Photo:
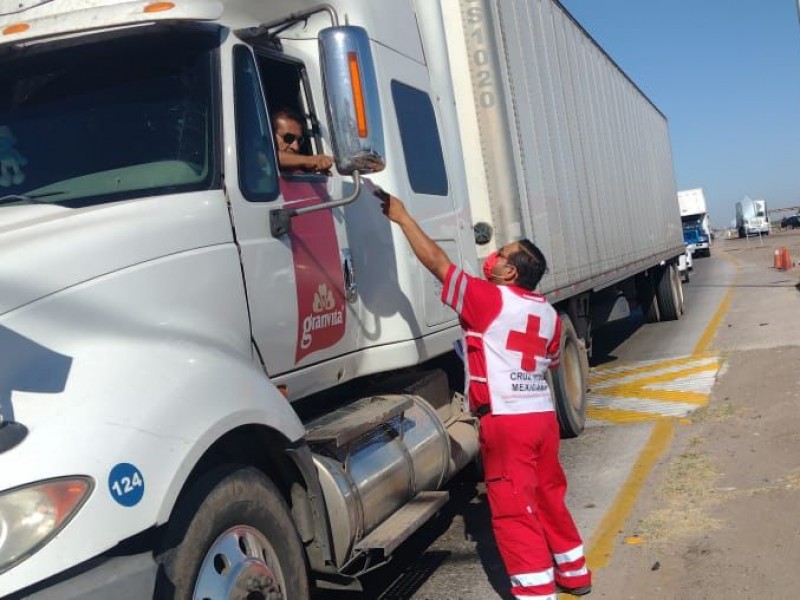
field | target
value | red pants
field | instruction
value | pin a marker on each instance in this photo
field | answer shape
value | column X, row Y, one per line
column 534, row 531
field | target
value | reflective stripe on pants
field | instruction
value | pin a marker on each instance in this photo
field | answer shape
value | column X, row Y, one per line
column 526, row 485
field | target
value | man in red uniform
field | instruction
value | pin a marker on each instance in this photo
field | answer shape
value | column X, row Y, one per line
column 512, row 338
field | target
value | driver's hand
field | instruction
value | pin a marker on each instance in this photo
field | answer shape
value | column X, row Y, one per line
column 320, row 162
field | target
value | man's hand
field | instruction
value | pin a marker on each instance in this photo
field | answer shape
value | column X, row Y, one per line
column 319, row 162
column 391, row 206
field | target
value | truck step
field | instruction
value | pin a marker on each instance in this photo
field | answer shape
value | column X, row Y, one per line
column 348, row 423
column 385, row 539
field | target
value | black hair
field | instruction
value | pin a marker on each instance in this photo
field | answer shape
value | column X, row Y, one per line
column 530, row 263
column 287, row 113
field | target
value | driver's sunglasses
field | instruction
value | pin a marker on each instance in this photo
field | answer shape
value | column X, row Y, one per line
column 290, row 138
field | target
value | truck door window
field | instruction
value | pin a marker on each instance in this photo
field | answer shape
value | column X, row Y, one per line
column 286, row 87
column 258, row 178
column 419, row 136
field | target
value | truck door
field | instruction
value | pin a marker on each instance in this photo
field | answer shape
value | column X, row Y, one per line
column 417, row 144
column 299, row 307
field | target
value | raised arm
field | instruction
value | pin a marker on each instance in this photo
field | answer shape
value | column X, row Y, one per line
column 427, row 251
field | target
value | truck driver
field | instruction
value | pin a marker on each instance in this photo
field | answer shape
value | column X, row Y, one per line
column 287, row 126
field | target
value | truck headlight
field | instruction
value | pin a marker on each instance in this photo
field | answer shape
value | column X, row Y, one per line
column 32, row 515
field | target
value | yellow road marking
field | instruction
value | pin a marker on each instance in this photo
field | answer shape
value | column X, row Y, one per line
column 642, row 387
column 619, row 416
column 659, row 373
column 606, row 373
column 704, row 343
column 601, row 546
column 639, row 393
column 653, row 390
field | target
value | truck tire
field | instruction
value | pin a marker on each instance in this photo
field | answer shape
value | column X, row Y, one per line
column 232, row 536
column 569, row 381
column 668, row 294
column 646, row 296
column 653, row 313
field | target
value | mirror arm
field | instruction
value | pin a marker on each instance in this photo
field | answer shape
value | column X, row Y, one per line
column 336, row 203
column 274, row 28
column 280, row 220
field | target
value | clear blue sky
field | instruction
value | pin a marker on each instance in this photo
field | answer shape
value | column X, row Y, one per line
column 726, row 73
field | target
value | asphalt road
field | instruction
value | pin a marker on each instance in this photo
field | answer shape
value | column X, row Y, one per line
column 638, row 370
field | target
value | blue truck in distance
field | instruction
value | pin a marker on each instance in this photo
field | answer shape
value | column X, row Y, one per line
column 695, row 221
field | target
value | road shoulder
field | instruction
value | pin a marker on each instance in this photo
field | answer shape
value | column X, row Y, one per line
column 720, row 521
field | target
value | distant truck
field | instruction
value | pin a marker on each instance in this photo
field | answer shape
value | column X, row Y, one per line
column 695, row 220
column 751, row 217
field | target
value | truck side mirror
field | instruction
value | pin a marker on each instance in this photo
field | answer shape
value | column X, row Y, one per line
column 351, row 99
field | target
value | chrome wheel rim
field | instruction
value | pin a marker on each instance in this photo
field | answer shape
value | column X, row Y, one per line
column 240, row 565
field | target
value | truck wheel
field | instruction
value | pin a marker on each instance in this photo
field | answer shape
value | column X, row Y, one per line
column 232, row 537
column 668, row 294
column 569, row 381
column 646, row 296
column 653, row 314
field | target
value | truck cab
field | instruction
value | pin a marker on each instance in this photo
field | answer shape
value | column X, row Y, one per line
column 695, row 221
column 182, row 316
column 696, row 236
column 751, row 217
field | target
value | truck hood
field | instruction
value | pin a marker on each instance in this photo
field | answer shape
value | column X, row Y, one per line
column 48, row 248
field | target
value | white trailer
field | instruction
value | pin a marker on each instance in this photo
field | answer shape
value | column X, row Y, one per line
column 565, row 149
column 751, row 217
column 223, row 380
column 692, row 202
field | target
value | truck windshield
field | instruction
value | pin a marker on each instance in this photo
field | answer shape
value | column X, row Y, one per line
column 693, row 221
column 109, row 119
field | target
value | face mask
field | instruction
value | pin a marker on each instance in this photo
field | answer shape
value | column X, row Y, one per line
column 489, row 264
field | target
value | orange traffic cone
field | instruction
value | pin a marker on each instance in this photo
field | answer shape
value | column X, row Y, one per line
column 776, row 261
column 783, row 260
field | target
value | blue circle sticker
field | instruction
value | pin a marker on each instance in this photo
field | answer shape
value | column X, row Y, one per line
column 126, row 484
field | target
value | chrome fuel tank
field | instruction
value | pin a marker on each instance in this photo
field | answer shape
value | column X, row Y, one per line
column 374, row 456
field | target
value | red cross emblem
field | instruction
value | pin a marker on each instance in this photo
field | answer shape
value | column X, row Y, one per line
column 528, row 343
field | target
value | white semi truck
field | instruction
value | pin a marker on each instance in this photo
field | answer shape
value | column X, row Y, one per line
column 219, row 380
column 695, row 220
column 751, row 217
